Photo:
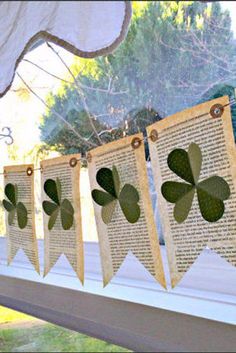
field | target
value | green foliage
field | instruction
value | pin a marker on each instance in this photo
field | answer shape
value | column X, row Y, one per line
column 128, row 197
column 15, row 208
column 174, row 52
column 211, row 192
column 33, row 337
column 53, row 189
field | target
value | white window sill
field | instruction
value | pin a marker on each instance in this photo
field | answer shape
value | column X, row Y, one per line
column 133, row 310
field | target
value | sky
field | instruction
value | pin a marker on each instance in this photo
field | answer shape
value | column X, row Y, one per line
column 231, row 6
column 23, row 116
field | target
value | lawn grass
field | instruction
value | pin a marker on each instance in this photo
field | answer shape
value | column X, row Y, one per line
column 8, row 316
column 50, row 338
column 46, row 337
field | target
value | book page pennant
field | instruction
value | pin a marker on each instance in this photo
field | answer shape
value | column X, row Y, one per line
column 123, row 209
column 20, row 212
column 62, row 212
column 193, row 157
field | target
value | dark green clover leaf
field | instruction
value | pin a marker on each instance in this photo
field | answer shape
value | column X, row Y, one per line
column 52, row 208
column 211, row 192
column 128, row 197
column 15, row 208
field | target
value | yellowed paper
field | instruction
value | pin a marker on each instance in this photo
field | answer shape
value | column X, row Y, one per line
column 24, row 239
column 119, row 236
column 185, row 241
column 59, row 241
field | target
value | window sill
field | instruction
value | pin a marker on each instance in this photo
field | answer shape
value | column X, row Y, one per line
column 133, row 310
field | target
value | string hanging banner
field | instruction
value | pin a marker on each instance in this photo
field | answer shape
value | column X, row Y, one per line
column 62, row 212
column 123, row 209
column 193, row 158
column 20, row 213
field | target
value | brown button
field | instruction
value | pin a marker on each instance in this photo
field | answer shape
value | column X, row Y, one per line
column 73, row 162
column 29, row 171
column 153, row 135
column 136, row 142
column 217, row 110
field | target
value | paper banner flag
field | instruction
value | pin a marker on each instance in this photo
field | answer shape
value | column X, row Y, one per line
column 193, row 158
column 20, row 213
column 125, row 222
column 62, row 212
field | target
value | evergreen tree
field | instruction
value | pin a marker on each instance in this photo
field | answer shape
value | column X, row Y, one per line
column 173, row 54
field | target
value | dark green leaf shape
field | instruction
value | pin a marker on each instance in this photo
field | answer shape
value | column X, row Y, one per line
column 15, row 208
column 49, row 207
column 108, row 210
column 21, row 212
column 127, row 197
column 53, row 218
column 51, row 188
column 211, row 192
column 216, row 187
column 106, row 179
column 8, row 206
column 52, row 208
column 173, row 190
column 183, row 206
column 178, row 162
column 102, row 198
column 67, row 214
column 11, row 193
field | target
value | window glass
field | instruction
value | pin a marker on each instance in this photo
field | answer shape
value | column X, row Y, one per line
column 176, row 55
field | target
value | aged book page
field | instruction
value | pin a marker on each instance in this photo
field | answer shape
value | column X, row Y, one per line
column 119, row 237
column 185, row 241
column 57, row 240
column 24, row 239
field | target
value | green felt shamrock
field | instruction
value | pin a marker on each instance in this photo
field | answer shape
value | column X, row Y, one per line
column 128, row 197
column 211, row 192
column 53, row 189
column 15, row 208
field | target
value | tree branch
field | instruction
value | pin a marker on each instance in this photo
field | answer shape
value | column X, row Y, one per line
column 81, row 85
column 47, row 72
column 89, row 144
column 81, row 95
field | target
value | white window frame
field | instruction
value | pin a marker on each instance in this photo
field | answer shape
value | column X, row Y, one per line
column 133, row 311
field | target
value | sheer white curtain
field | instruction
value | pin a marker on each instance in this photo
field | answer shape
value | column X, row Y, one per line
column 86, row 28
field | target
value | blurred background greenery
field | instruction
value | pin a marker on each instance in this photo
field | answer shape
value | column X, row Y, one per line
column 176, row 55
column 23, row 333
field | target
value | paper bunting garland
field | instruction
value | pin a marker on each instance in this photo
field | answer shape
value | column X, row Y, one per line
column 193, row 158
column 62, row 213
column 128, row 223
column 20, row 213
column 199, row 148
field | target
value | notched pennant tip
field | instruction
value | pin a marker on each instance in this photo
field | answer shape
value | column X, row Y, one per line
column 127, row 198
column 52, row 208
column 15, row 208
column 211, row 192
